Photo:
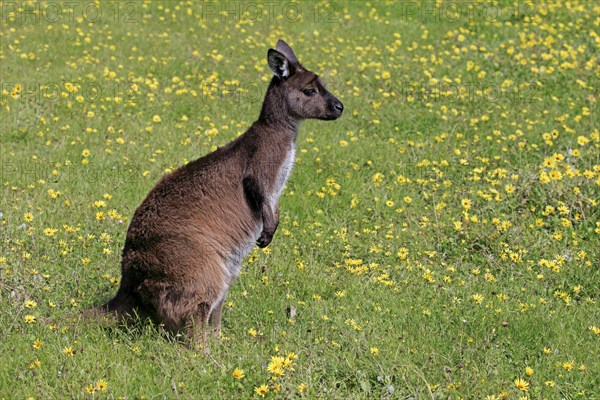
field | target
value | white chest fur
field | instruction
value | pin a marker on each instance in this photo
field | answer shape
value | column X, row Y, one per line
column 285, row 169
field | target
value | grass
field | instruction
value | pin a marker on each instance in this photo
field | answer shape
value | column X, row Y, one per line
column 433, row 245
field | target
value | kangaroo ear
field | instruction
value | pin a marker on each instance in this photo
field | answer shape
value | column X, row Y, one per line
column 279, row 64
column 287, row 51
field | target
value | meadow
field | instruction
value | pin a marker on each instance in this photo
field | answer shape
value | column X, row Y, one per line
column 439, row 241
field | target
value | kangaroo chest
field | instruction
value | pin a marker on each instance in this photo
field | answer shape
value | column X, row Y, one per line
column 282, row 175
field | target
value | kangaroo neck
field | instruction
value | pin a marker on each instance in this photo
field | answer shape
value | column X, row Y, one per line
column 275, row 112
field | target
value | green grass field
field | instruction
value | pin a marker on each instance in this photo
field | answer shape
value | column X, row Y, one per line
column 439, row 241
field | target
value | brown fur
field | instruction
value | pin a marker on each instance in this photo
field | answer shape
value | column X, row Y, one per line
column 187, row 239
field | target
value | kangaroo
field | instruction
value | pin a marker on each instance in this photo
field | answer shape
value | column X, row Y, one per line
column 186, row 241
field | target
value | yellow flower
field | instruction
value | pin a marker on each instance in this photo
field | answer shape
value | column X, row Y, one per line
column 68, row 351
column 252, row 332
column 466, row 203
column 276, row 370
column 528, row 371
column 30, row 319
column 377, row 178
column 428, row 276
column 238, row 373
column 374, row 351
column 49, row 232
column 402, row 253
column 101, row 385
column 477, row 298
column 261, row 390
column 555, row 175
column 30, row 304
column 521, row 384
column 568, row 365
column 156, row 119
column 276, row 366
column 582, row 140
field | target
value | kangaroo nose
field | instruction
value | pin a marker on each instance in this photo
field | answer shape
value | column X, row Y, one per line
column 339, row 106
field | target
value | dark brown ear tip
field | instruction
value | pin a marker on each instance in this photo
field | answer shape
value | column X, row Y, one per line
column 275, row 53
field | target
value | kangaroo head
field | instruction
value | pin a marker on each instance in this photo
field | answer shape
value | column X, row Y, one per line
column 303, row 91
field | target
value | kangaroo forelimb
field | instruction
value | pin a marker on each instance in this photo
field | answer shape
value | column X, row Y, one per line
column 262, row 209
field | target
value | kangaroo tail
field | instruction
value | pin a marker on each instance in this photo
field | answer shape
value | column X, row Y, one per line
column 123, row 306
column 91, row 314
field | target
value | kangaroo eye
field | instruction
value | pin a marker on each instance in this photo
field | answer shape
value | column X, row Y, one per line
column 310, row 92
